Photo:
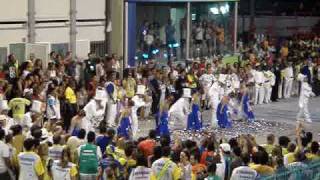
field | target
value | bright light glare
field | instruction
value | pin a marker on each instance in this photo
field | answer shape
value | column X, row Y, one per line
column 214, row 10
column 224, row 9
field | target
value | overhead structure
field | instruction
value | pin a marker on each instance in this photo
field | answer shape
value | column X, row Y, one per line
column 184, row 15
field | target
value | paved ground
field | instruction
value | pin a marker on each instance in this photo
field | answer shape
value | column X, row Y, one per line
column 280, row 117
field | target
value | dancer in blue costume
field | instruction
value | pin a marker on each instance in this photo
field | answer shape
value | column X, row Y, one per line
column 163, row 116
column 245, row 105
column 223, row 113
column 124, row 128
column 194, row 118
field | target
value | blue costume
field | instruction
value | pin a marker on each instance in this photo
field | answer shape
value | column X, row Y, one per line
column 222, row 116
column 162, row 126
column 124, row 128
column 194, row 118
column 246, row 108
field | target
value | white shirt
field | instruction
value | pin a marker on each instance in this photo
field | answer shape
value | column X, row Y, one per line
column 243, row 173
column 141, row 173
column 61, row 173
column 199, row 33
column 4, row 153
column 159, row 164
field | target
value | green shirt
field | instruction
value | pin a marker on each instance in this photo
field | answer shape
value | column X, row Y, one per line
column 18, row 107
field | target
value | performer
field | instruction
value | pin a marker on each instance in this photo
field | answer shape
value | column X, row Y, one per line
column 259, row 82
column 163, row 116
column 139, row 103
column 111, row 111
column 214, row 94
column 124, row 128
column 223, row 113
column 194, row 118
column 305, row 94
column 94, row 111
column 206, row 81
column 245, row 105
column 268, row 84
column 5, row 121
column 178, row 113
column 288, row 80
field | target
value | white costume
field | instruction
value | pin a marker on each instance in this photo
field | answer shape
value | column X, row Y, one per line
column 206, row 81
column 111, row 96
column 259, row 89
column 269, row 82
column 288, row 80
column 138, row 102
column 94, row 112
column 179, row 111
column 214, row 94
column 305, row 94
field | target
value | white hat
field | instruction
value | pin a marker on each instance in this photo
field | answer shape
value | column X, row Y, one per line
column 225, row 147
column 141, row 89
column 100, row 94
column 187, row 93
column 301, row 77
column 36, row 106
column 4, row 105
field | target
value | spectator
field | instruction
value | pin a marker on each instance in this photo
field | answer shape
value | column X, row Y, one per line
column 244, row 172
column 147, row 146
column 89, row 155
column 5, row 163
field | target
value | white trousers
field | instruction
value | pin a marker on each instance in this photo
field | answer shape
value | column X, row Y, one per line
column 111, row 114
column 304, row 111
column 280, row 89
column 267, row 96
column 259, row 95
column 288, row 88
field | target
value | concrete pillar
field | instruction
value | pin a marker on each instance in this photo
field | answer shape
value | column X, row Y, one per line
column 188, row 30
column 73, row 28
column 108, row 34
column 117, row 33
column 252, row 14
column 235, row 35
column 31, row 23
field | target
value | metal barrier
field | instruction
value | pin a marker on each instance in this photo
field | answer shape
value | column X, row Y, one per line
column 298, row 171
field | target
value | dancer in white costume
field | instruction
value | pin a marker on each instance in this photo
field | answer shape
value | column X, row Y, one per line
column 94, row 111
column 214, row 94
column 269, row 82
column 139, row 102
column 288, row 80
column 111, row 90
column 179, row 111
column 259, row 86
column 305, row 94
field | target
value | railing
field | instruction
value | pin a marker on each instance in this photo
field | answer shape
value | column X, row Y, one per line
column 298, row 171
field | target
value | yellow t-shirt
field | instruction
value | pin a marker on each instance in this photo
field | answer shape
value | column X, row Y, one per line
column 284, row 151
column 268, row 148
column 70, row 96
column 290, row 157
column 262, row 169
column 312, row 157
column 129, row 86
column 18, row 107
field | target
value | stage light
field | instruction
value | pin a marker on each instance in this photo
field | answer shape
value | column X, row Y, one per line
column 145, row 56
column 175, row 45
column 214, row 10
column 155, row 51
column 224, row 9
column 136, row 57
column 165, row 55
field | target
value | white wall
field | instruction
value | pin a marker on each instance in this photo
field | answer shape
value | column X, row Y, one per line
column 12, row 10
column 49, row 9
column 16, row 10
column 91, row 9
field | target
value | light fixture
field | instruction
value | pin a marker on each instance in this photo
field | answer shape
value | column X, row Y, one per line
column 214, row 10
column 224, row 9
